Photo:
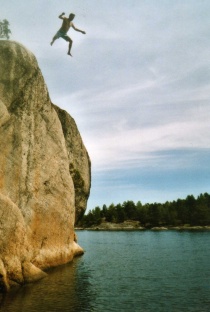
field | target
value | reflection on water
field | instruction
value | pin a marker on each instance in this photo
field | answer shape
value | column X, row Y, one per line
column 125, row 271
column 66, row 288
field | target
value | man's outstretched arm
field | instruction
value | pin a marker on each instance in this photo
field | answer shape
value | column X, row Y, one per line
column 77, row 29
column 61, row 16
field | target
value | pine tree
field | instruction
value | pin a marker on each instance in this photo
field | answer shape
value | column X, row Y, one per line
column 4, row 29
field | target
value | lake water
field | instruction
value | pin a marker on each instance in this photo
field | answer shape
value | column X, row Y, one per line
column 125, row 271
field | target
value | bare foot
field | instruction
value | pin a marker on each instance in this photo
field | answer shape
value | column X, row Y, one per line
column 69, row 54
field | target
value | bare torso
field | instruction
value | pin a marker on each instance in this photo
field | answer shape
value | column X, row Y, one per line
column 66, row 25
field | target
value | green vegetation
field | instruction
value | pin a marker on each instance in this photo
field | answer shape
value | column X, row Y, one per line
column 4, row 29
column 192, row 211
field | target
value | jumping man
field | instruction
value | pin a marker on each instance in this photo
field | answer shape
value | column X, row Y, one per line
column 62, row 33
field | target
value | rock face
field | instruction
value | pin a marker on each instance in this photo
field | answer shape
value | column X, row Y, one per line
column 79, row 162
column 44, row 172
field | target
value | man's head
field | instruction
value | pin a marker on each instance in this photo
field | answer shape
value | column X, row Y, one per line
column 71, row 16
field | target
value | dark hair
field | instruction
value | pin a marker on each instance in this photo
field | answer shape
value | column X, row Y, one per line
column 71, row 16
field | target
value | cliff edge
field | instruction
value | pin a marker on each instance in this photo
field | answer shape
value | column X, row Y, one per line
column 44, row 172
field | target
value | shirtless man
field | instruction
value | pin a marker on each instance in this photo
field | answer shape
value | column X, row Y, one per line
column 62, row 33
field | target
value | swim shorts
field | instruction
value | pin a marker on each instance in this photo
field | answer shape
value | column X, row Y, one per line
column 62, row 34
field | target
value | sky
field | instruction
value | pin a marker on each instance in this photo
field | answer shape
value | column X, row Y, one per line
column 138, row 87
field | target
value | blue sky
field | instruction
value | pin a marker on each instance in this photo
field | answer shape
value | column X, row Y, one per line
column 138, row 87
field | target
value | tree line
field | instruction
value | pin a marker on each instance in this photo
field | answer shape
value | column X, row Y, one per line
column 192, row 211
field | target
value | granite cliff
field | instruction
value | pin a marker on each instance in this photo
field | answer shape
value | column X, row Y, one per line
column 44, row 173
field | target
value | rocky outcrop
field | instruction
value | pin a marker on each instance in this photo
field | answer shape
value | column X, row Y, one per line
column 79, row 162
column 44, row 172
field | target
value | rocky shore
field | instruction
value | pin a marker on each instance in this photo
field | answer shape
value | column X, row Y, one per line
column 136, row 226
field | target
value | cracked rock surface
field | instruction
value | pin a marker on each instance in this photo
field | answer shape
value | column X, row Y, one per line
column 44, row 172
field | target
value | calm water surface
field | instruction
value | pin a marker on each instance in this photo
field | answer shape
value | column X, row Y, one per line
column 125, row 271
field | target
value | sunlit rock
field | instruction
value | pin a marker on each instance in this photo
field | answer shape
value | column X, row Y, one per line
column 44, row 172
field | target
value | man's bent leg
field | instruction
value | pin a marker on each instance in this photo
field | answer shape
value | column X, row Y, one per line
column 53, row 40
column 70, row 45
column 57, row 35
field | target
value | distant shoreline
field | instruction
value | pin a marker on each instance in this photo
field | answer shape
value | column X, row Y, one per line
column 134, row 226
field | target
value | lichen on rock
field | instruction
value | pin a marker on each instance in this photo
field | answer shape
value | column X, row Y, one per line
column 44, row 172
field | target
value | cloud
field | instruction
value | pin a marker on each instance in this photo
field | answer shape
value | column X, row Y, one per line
column 141, row 118
column 115, row 149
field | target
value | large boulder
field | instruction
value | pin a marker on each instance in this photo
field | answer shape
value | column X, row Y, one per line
column 44, row 172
